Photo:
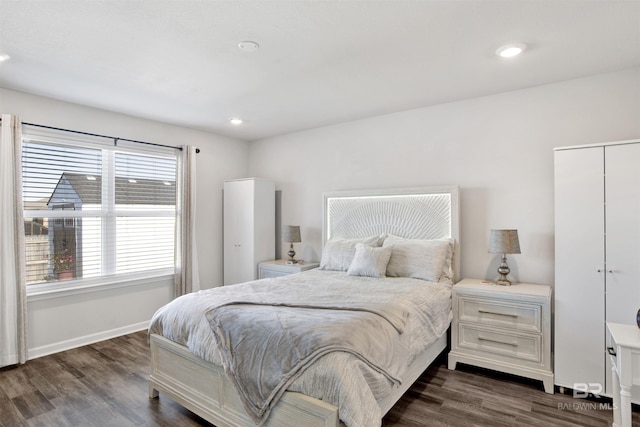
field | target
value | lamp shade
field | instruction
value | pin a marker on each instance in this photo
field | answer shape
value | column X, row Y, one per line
column 291, row 233
column 504, row 242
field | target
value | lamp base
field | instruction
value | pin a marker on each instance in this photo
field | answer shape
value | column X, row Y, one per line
column 291, row 254
column 503, row 271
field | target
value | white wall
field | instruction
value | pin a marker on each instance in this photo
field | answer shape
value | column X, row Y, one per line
column 71, row 320
column 498, row 149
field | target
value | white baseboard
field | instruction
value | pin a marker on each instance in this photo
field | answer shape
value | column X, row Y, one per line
column 85, row 340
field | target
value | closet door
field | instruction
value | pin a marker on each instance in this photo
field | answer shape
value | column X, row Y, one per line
column 579, row 262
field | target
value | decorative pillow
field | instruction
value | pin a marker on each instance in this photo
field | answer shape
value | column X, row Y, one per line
column 420, row 259
column 338, row 254
column 446, row 267
column 369, row 261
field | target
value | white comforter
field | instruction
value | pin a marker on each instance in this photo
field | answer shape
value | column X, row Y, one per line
column 338, row 378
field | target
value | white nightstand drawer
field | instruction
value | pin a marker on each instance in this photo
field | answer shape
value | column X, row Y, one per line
column 510, row 315
column 518, row 346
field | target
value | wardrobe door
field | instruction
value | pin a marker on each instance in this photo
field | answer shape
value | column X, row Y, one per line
column 579, row 261
column 622, row 171
column 230, row 232
column 622, row 168
column 238, row 231
column 264, row 225
column 245, row 212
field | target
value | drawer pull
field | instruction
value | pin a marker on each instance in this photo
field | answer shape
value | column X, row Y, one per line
column 514, row 344
column 611, row 351
column 497, row 314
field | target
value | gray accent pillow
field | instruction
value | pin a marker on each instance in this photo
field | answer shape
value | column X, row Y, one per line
column 369, row 261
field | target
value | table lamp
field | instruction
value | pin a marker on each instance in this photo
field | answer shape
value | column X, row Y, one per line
column 291, row 234
column 504, row 242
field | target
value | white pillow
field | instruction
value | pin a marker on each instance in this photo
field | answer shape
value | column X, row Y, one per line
column 338, row 254
column 369, row 261
column 420, row 259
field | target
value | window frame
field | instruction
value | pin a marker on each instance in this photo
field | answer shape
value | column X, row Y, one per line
column 108, row 278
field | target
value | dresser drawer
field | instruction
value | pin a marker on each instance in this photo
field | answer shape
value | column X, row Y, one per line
column 505, row 314
column 519, row 346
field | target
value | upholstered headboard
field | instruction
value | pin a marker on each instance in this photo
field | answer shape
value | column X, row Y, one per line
column 415, row 213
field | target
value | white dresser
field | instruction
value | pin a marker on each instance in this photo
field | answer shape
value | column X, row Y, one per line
column 504, row 328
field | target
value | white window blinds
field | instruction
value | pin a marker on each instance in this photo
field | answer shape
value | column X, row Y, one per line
column 96, row 210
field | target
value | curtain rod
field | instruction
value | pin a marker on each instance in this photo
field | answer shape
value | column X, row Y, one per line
column 115, row 139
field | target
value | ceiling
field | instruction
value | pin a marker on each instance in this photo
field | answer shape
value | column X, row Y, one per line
column 319, row 62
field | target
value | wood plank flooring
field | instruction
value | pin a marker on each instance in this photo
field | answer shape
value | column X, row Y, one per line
column 105, row 384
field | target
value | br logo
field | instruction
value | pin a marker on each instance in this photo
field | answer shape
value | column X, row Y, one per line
column 582, row 390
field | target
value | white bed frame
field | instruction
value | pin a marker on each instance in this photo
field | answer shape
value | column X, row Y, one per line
column 426, row 213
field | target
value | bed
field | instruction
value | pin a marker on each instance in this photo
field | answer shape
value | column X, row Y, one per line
column 188, row 371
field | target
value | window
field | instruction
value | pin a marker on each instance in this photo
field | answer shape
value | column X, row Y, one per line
column 95, row 210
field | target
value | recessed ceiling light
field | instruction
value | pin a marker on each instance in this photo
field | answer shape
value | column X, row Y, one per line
column 511, row 50
column 235, row 121
column 248, row 46
column 4, row 57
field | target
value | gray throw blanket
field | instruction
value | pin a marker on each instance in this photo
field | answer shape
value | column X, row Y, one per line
column 266, row 346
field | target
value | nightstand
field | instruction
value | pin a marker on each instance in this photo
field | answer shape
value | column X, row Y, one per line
column 504, row 328
column 279, row 267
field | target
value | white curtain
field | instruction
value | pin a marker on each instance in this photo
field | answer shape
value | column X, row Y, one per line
column 13, row 298
column 186, row 278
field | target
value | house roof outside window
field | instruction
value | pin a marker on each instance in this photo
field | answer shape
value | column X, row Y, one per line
column 75, row 190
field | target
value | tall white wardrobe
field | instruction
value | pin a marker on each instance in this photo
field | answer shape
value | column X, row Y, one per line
column 249, row 223
column 597, row 257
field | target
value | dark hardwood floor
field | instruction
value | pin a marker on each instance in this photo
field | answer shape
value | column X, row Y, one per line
column 105, row 384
